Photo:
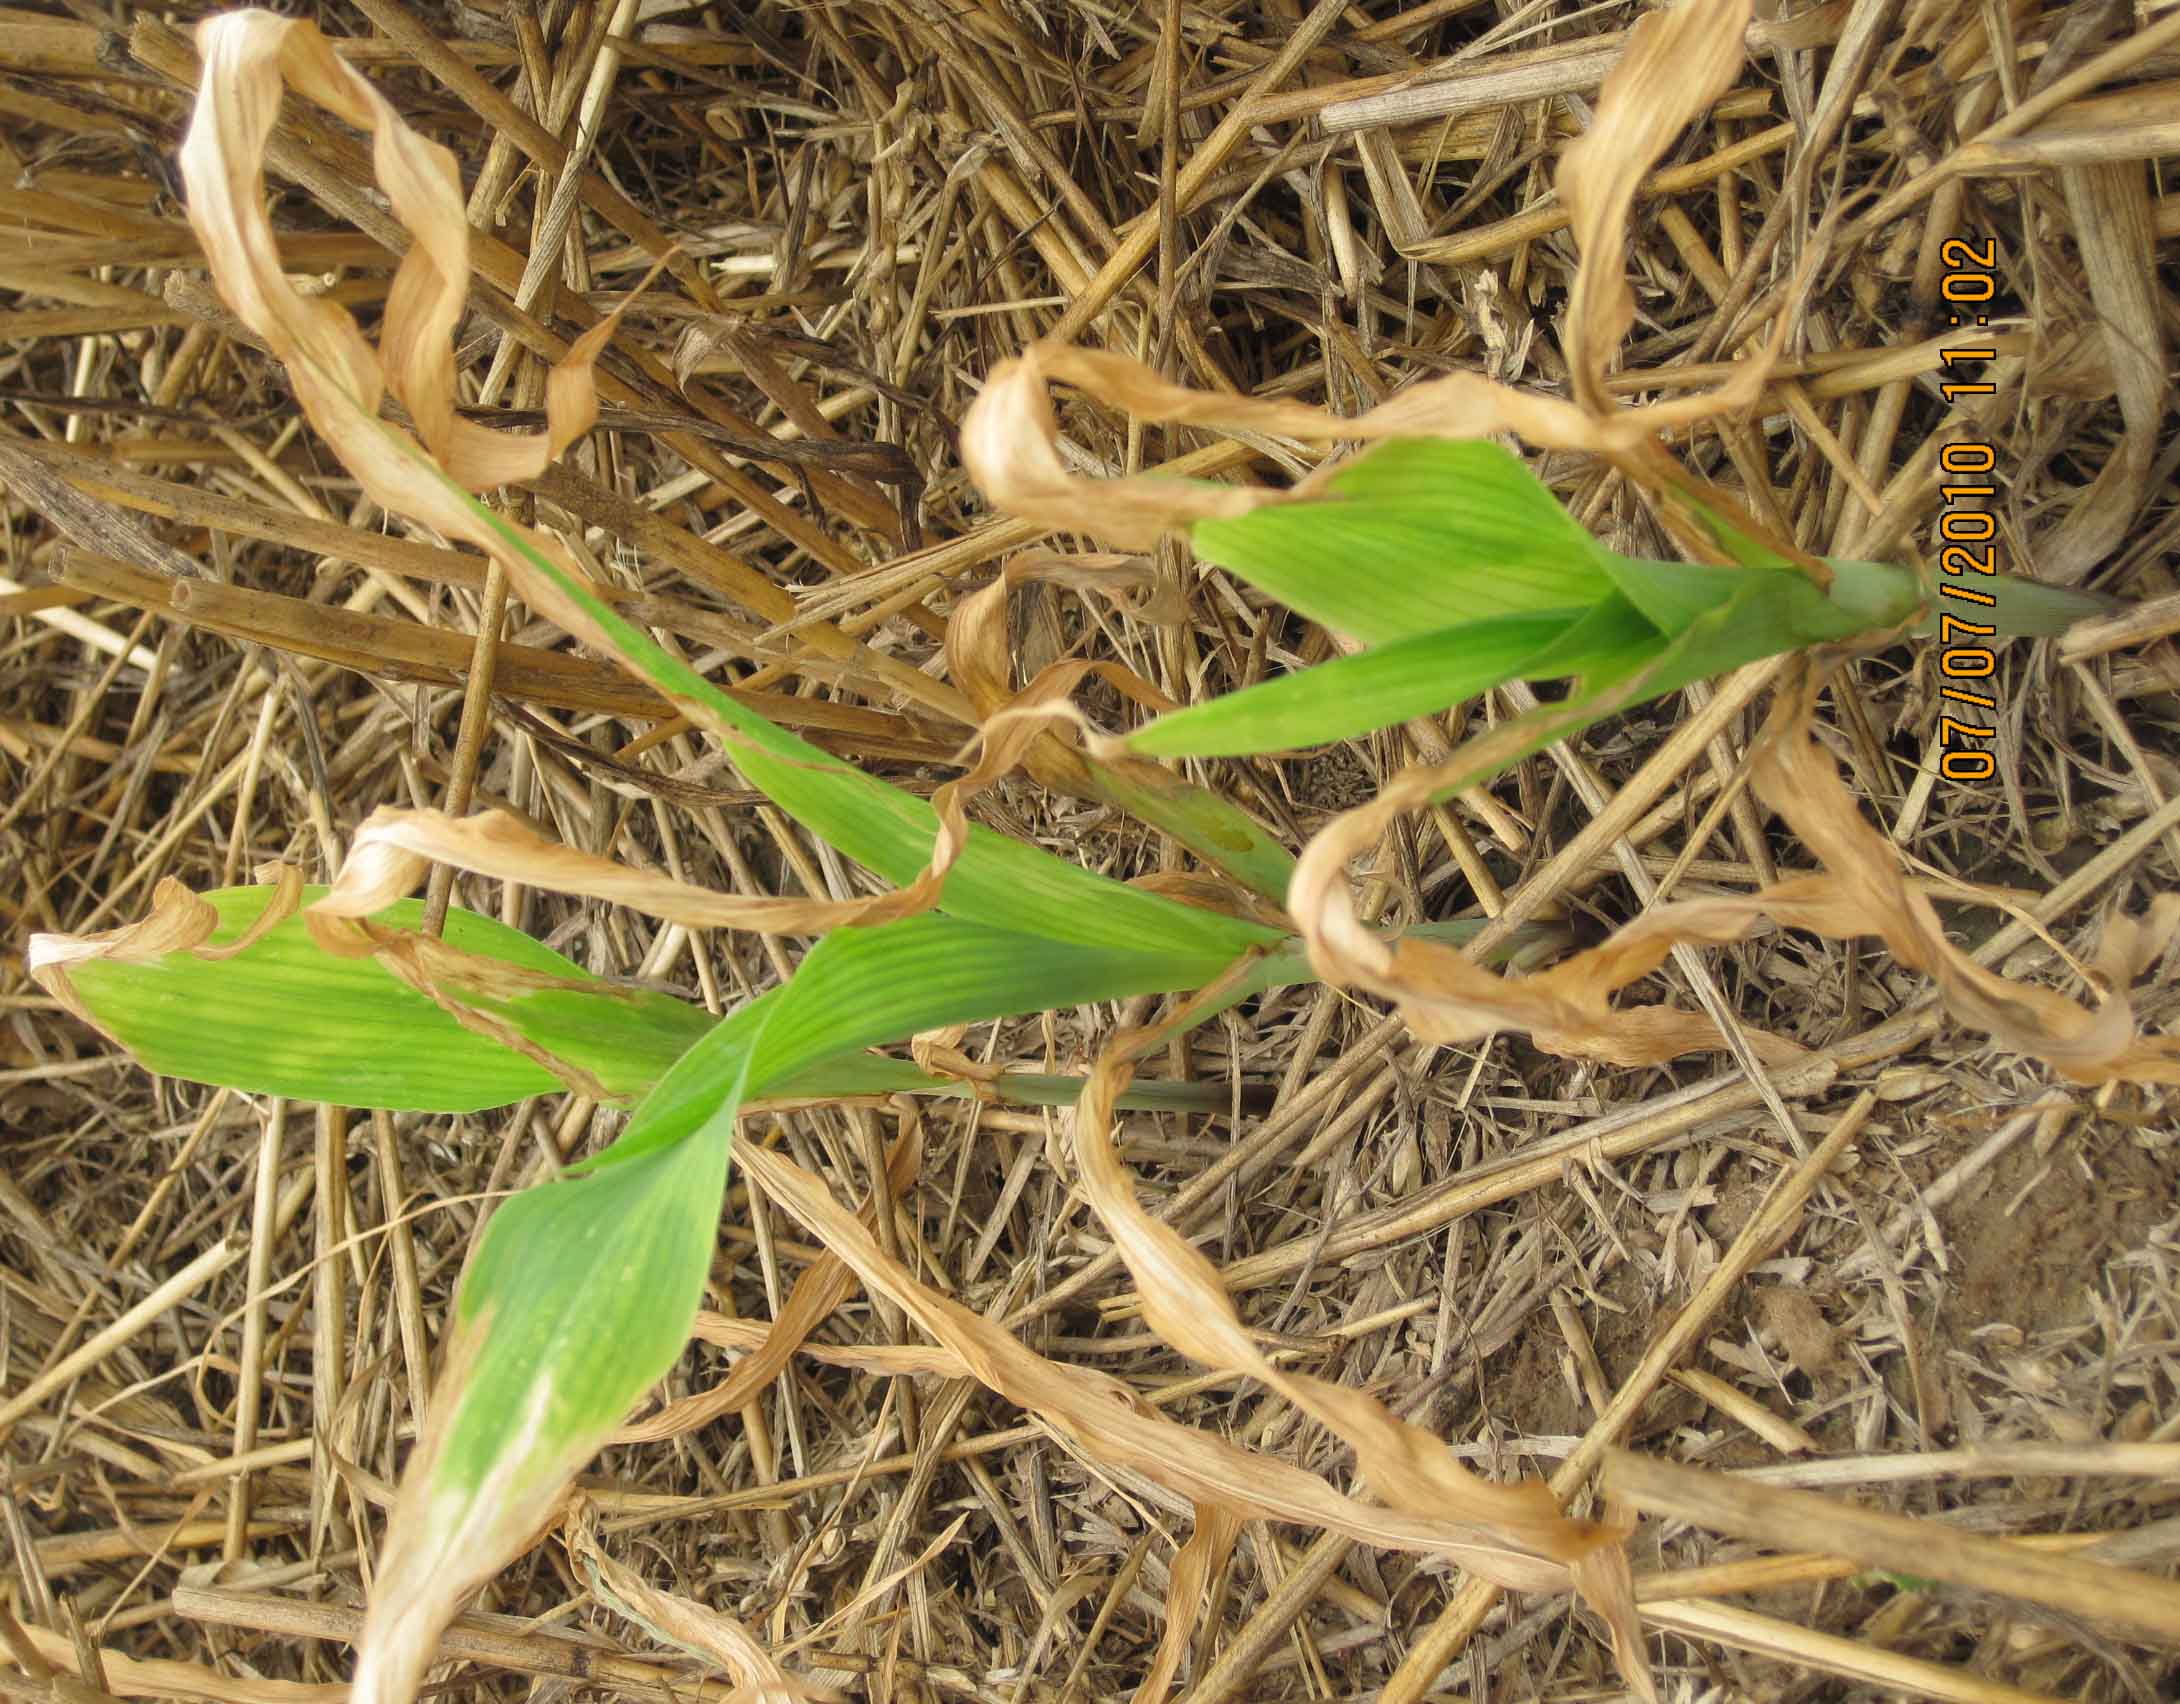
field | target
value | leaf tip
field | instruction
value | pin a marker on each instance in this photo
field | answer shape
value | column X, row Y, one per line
column 452, row 1531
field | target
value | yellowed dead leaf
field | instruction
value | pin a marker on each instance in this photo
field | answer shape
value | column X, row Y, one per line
column 1042, row 723
column 1195, row 1565
column 339, row 379
column 1607, row 1584
column 980, row 661
column 1108, row 1421
column 1009, row 438
column 1184, row 1302
column 980, row 648
column 695, row 1628
column 390, row 852
column 1446, row 997
column 938, row 1052
column 1866, row 894
column 1679, row 59
column 1406, row 1467
column 916, row 1360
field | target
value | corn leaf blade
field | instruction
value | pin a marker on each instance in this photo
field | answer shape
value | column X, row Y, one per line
column 1354, row 695
column 865, row 987
column 305, row 1024
column 286, row 1018
column 1758, row 621
column 583, row 1289
column 302, row 1023
column 1417, row 535
column 997, row 881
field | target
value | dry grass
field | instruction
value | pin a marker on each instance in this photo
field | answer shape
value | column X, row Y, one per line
column 1909, row 1274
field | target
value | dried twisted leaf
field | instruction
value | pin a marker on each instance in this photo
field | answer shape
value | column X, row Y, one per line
column 755, row 1335
column 1009, row 435
column 1186, row 1304
column 696, row 1628
column 1865, row 894
column 939, row 1052
column 979, row 652
column 339, row 378
column 1110, row 1422
column 1567, row 1009
column 1448, row 998
column 1195, row 1565
column 1679, row 59
column 393, row 848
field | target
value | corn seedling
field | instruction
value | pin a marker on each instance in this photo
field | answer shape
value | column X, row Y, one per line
column 1438, row 553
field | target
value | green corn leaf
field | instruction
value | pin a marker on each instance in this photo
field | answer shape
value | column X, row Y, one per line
column 1743, row 629
column 579, row 1297
column 1883, row 595
column 302, row 1023
column 1354, row 695
column 1876, row 595
column 286, row 1018
column 1673, row 595
column 1444, row 556
column 996, row 881
column 549, row 1362
column 305, row 1024
column 552, row 1362
column 583, row 1289
column 862, row 988
column 1766, row 611
column 1416, row 535
column 1373, row 689
column 1613, row 636
column 1669, row 595
column 1623, row 661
